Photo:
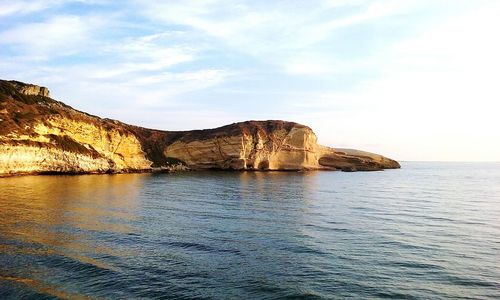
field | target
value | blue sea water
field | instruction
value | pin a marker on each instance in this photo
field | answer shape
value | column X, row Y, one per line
column 426, row 231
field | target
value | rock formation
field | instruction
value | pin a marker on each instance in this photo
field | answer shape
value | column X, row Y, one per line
column 41, row 135
column 30, row 89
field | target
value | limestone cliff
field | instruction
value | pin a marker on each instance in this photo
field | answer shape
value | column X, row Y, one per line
column 41, row 135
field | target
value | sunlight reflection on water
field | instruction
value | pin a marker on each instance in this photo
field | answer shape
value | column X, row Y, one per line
column 428, row 230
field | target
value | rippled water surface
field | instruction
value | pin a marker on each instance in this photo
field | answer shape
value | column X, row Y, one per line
column 429, row 230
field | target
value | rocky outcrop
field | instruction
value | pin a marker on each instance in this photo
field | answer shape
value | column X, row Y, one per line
column 41, row 135
column 253, row 145
column 267, row 145
column 30, row 89
column 351, row 160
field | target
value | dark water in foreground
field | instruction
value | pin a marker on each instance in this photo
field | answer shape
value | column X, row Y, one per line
column 429, row 230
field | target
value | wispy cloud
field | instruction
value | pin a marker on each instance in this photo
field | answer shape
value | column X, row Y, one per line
column 281, row 34
column 143, row 54
column 57, row 36
column 23, row 7
column 134, row 66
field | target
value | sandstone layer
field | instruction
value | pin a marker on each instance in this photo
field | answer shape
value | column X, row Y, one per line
column 41, row 135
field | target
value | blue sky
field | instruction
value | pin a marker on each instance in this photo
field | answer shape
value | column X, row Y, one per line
column 411, row 79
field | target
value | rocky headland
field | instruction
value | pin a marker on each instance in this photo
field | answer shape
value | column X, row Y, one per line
column 39, row 135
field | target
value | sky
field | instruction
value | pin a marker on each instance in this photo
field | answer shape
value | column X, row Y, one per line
column 409, row 79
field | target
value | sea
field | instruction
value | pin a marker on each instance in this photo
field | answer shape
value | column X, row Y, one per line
column 430, row 230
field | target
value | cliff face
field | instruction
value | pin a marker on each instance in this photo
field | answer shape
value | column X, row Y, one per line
column 41, row 135
column 270, row 145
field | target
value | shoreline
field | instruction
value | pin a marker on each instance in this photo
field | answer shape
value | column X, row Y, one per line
column 169, row 171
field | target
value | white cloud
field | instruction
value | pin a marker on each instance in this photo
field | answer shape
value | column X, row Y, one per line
column 23, row 7
column 182, row 82
column 282, row 34
column 133, row 70
column 59, row 35
column 135, row 93
column 148, row 57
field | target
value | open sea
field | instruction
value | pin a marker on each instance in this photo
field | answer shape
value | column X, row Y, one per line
column 426, row 231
